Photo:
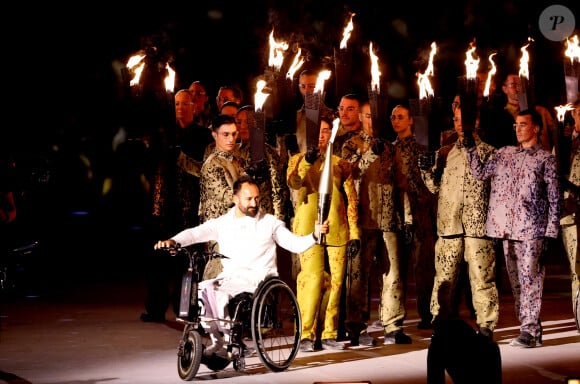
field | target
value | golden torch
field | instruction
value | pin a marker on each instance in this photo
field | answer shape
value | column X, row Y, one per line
column 325, row 185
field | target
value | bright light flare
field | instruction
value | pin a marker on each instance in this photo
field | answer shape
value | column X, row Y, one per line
column 524, row 61
column 492, row 72
column 425, row 88
column 170, row 79
column 322, row 77
column 561, row 111
column 347, row 31
column 572, row 50
column 471, row 62
column 375, row 73
column 277, row 49
column 260, row 97
column 296, row 64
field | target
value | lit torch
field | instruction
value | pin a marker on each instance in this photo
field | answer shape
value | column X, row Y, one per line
column 257, row 125
column 135, row 65
column 421, row 108
column 343, row 62
column 272, row 74
column 524, row 99
column 325, row 185
column 312, row 104
column 378, row 104
column 572, row 69
column 492, row 72
column 468, row 91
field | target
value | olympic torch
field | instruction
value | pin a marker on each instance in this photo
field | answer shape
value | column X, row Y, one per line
column 325, row 186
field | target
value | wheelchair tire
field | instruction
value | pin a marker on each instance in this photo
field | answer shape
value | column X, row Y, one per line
column 276, row 324
column 189, row 354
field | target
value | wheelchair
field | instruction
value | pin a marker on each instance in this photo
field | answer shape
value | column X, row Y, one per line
column 268, row 318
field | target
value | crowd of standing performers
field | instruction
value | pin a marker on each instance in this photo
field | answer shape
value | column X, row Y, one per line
column 402, row 215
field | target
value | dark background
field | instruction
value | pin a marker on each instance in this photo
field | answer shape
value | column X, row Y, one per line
column 64, row 97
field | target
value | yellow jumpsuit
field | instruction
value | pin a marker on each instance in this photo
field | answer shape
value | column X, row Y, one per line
column 314, row 297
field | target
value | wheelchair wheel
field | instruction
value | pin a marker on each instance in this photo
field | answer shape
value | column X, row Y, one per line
column 276, row 324
column 189, row 354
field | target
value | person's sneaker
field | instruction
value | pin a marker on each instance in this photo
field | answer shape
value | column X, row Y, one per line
column 306, row 345
column 367, row 340
column 486, row 333
column 396, row 337
column 331, row 344
column 151, row 318
column 524, row 340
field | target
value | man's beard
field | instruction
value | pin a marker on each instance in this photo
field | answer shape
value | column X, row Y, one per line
column 251, row 211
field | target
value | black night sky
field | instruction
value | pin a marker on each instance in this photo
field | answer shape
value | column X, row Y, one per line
column 62, row 61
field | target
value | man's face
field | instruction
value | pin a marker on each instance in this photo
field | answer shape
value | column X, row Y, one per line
column 247, row 200
column 526, row 132
column 401, row 122
column 225, row 137
column 511, row 87
column 324, row 135
column 307, row 83
column 348, row 111
column 242, row 124
column 225, row 95
column 366, row 119
column 199, row 96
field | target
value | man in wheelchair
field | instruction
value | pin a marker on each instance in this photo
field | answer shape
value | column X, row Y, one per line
column 248, row 238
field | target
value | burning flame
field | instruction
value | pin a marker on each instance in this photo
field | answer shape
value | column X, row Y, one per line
column 492, row 72
column 170, row 79
column 524, row 71
column 260, row 97
column 335, row 124
column 471, row 63
column 561, row 111
column 425, row 88
column 276, row 52
column 573, row 51
column 296, row 64
column 346, row 33
column 322, row 77
column 375, row 73
column 132, row 65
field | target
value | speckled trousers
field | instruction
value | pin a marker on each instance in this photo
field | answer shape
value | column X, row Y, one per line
column 526, row 274
column 480, row 257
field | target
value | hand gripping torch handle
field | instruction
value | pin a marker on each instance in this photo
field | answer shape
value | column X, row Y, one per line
column 323, row 210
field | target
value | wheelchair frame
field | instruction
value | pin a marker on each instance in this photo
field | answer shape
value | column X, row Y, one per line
column 269, row 317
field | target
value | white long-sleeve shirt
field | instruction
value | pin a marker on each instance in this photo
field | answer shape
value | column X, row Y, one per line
column 248, row 242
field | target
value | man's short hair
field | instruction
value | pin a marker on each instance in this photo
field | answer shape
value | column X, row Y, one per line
column 220, row 120
column 244, row 179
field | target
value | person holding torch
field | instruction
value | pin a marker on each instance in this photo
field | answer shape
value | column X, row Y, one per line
column 318, row 290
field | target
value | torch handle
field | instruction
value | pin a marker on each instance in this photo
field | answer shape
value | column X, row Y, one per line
column 324, row 200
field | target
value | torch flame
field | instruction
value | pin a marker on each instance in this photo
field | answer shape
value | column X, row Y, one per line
column 322, row 77
column 561, row 111
column 296, row 64
column 260, row 97
column 276, row 52
column 375, row 73
column 492, row 72
column 425, row 88
column 335, row 124
column 132, row 65
column 471, row 63
column 524, row 71
column 347, row 31
column 573, row 51
column 170, row 79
